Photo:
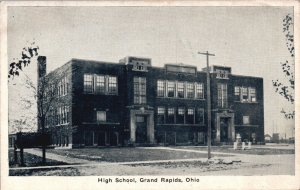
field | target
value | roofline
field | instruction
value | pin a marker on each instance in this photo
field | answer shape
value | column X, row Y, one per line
column 55, row 70
column 94, row 61
column 157, row 67
column 246, row 76
column 131, row 56
column 220, row 66
column 180, row 65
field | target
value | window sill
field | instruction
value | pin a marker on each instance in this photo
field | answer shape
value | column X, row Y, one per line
column 100, row 123
column 140, row 70
column 248, row 125
column 62, row 96
column 103, row 94
column 182, row 98
column 222, row 78
column 64, row 124
column 178, row 124
column 246, row 102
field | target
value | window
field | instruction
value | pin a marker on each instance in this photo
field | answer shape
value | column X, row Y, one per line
column 244, row 94
column 200, row 116
column 100, row 84
column 61, row 115
column 199, row 90
column 190, row 90
column 171, row 115
column 61, row 83
column 180, row 90
column 180, row 115
column 160, row 115
column 190, row 111
column 101, row 116
column 246, row 120
column 62, row 87
column 190, row 116
column 237, row 93
column 57, row 116
column 161, row 111
column 222, row 95
column 67, row 114
column 139, row 88
column 112, row 85
column 88, row 83
column 171, row 89
column 171, row 111
column 58, row 89
column 252, row 93
column 65, row 85
column 181, row 111
column 160, row 88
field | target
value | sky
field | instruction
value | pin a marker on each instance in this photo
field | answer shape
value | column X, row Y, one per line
column 248, row 39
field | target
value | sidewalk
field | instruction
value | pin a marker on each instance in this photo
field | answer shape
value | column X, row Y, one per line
column 282, row 159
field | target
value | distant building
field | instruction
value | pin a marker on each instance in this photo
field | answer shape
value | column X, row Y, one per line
column 268, row 138
column 133, row 102
column 275, row 138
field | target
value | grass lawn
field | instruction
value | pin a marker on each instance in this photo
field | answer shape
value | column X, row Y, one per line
column 33, row 160
column 255, row 151
column 30, row 160
column 126, row 154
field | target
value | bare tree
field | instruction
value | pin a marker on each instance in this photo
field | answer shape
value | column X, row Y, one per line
column 45, row 92
column 287, row 88
column 17, row 65
column 21, row 124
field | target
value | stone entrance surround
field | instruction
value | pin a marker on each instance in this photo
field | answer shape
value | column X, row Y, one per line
column 231, row 129
column 150, row 124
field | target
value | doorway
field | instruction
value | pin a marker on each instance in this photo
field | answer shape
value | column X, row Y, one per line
column 101, row 138
column 141, row 129
column 224, row 124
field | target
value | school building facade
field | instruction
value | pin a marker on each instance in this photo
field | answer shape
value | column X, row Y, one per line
column 134, row 103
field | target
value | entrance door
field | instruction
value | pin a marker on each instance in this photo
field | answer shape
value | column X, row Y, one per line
column 114, row 139
column 224, row 123
column 141, row 129
column 101, row 138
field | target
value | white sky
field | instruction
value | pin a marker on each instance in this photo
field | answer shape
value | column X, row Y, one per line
column 248, row 39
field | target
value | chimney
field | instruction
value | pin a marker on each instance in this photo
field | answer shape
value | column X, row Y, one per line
column 41, row 66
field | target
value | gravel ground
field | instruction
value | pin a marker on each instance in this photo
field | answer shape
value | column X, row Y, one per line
column 180, row 168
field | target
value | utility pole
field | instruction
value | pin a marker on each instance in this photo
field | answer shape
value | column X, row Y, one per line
column 208, row 103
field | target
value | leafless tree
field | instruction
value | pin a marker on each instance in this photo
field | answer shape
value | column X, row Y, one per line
column 44, row 91
column 287, row 88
